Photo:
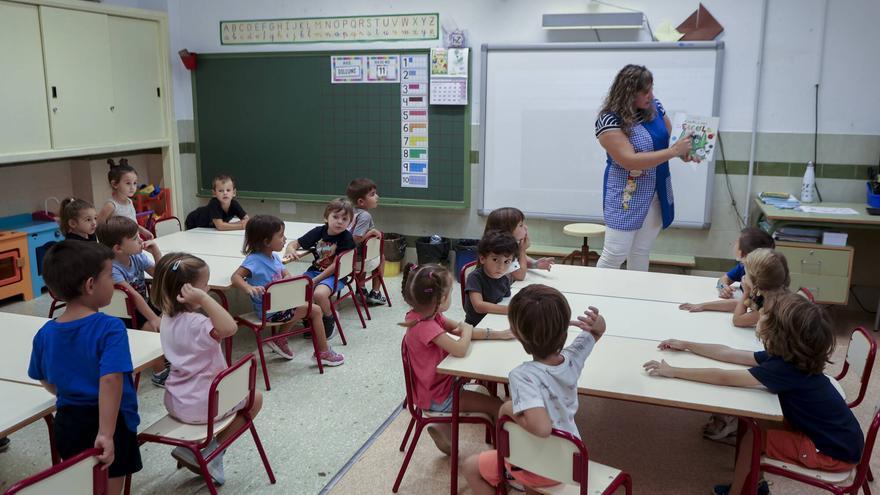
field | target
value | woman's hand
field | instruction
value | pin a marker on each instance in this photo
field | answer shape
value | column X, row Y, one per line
column 659, row 369
column 683, row 146
column 691, row 307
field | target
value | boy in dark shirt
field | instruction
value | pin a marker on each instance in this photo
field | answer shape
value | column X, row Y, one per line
column 220, row 209
column 490, row 282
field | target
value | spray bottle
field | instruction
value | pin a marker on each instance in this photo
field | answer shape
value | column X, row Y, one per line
column 809, row 183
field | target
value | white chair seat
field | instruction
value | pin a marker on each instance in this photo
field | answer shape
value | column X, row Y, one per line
column 435, row 414
column 600, row 477
column 836, row 478
column 171, row 428
column 256, row 320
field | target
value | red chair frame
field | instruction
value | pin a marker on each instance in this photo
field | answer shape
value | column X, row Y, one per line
column 462, row 280
column 362, row 278
column 807, row 293
column 420, row 421
column 869, row 365
column 166, row 219
column 196, row 447
column 346, row 282
column 580, row 460
column 129, row 305
column 99, row 474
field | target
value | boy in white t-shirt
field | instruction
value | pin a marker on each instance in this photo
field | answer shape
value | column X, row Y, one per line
column 544, row 390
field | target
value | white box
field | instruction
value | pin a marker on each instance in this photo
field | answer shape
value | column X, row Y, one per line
column 834, row 238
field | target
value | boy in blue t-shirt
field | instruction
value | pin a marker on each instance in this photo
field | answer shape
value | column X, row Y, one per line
column 83, row 358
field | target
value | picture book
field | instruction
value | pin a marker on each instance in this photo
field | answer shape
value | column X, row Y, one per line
column 703, row 130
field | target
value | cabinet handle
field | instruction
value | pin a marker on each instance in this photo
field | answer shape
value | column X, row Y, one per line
column 158, row 93
column 54, row 92
column 54, row 109
column 817, row 263
column 112, row 107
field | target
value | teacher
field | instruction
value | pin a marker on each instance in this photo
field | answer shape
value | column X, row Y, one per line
column 637, row 196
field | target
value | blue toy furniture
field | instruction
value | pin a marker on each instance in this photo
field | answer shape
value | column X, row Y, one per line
column 41, row 235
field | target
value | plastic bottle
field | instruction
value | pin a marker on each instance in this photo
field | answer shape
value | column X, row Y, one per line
column 809, row 183
column 436, row 239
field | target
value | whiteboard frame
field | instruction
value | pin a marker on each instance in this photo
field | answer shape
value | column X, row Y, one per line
column 717, row 46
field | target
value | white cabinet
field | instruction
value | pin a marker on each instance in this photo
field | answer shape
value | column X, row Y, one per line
column 136, row 78
column 24, row 125
column 79, row 82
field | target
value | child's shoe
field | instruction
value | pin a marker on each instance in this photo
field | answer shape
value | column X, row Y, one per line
column 763, row 489
column 215, row 467
column 159, row 378
column 281, row 348
column 720, row 427
column 4, row 444
column 375, row 298
column 331, row 357
column 329, row 326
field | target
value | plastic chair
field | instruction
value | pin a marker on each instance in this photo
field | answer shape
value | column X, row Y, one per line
column 806, row 293
column 372, row 251
column 79, row 475
column 462, row 278
column 232, row 386
column 120, row 305
column 833, row 482
column 420, row 418
column 345, row 274
column 860, row 357
column 167, row 226
column 279, row 296
column 561, row 456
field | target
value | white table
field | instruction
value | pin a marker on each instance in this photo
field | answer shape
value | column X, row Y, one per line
column 292, row 230
column 22, row 405
column 625, row 283
column 215, row 244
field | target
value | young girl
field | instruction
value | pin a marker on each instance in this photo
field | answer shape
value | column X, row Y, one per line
column 512, row 220
column 820, row 431
column 191, row 343
column 78, row 220
column 123, row 180
column 264, row 236
column 427, row 290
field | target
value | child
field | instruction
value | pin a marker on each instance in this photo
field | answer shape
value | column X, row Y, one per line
column 82, row 357
column 512, row 220
column 750, row 238
column 362, row 194
column 820, row 431
column 220, row 209
column 129, row 265
column 490, row 282
column 544, row 390
column 191, row 342
column 123, row 180
column 427, row 290
column 325, row 242
column 263, row 235
column 78, row 220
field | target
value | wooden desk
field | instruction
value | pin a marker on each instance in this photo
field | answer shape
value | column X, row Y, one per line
column 18, row 336
column 778, row 217
column 625, row 283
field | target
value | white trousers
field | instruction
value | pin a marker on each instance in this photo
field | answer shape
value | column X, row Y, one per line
column 633, row 246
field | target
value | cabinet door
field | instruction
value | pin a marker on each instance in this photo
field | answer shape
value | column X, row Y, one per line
column 134, row 52
column 76, row 47
column 24, row 125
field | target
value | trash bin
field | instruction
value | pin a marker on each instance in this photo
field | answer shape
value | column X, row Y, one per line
column 429, row 252
column 465, row 252
column 395, row 246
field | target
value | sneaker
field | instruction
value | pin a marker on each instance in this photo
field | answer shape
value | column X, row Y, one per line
column 159, row 378
column 188, row 460
column 329, row 326
column 724, row 427
column 4, row 444
column 441, row 439
column 763, row 489
column 331, row 358
column 375, row 298
column 281, row 348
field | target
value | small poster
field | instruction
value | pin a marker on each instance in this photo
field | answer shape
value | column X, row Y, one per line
column 414, row 121
column 703, row 130
column 449, row 76
column 383, row 68
column 346, row 69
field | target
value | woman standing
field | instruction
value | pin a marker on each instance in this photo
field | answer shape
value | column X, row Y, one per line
column 637, row 199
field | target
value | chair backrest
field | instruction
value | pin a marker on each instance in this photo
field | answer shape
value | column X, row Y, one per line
column 408, row 378
column 863, row 467
column 372, row 250
column 462, row 278
column 803, row 291
column 288, row 294
column 167, row 226
column 231, row 386
column 860, row 358
column 120, row 305
column 79, row 475
column 561, row 456
column 344, row 264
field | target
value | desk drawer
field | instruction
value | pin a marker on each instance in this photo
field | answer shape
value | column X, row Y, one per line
column 826, row 289
column 814, row 259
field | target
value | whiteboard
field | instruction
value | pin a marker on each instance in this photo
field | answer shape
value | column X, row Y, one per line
column 539, row 105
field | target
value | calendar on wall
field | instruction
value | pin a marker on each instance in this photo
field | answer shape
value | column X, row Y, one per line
column 449, row 76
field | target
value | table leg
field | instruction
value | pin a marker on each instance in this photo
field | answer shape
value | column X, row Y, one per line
column 50, row 425
column 453, row 458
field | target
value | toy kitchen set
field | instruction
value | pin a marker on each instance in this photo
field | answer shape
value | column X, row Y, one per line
column 24, row 240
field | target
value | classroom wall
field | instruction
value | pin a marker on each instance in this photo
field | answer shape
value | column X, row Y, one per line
column 25, row 192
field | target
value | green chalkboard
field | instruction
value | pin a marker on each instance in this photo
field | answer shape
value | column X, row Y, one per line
column 276, row 123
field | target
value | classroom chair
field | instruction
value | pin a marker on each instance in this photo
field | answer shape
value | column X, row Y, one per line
column 82, row 474
column 371, row 253
column 420, row 418
column 167, row 226
column 462, row 278
column 220, row 297
column 857, row 477
column 860, row 357
column 120, row 305
column 232, row 386
column 561, row 456
column 345, row 275
column 279, row 296
column 803, row 291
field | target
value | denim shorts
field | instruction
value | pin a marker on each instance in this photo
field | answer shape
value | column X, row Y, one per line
column 445, row 407
column 329, row 281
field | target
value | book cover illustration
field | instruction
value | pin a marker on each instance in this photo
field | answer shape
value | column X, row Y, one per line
column 703, row 130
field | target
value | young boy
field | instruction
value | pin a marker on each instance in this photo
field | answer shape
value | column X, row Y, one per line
column 544, row 390
column 750, row 239
column 129, row 265
column 83, row 358
column 362, row 194
column 325, row 242
column 220, row 209
column 490, row 282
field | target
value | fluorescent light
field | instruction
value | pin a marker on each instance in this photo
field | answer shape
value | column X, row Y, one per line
column 593, row 20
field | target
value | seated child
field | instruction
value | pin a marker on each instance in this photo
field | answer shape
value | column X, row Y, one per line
column 82, row 357
column 191, row 343
column 220, row 210
column 544, row 390
column 363, row 196
column 78, row 220
column 820, row 431
column 129, row 265
column 490, row 281
column 325, row 242
column 123, row 180
column 750, row 238
column 263, row 236
column 428, row 339
column 512, row 220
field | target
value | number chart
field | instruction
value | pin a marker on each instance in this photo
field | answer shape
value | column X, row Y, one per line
column 414, row 121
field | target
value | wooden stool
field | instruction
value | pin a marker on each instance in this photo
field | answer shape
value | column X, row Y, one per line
column 583, row 230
